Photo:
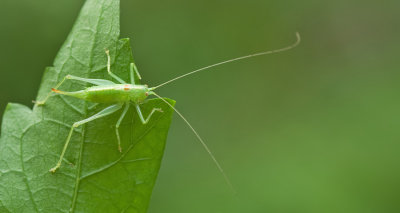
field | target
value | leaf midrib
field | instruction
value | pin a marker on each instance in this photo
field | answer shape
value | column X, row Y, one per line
column 78, row 172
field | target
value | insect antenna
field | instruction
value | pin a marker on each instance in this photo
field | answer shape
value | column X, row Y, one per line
column 201, row 141
column 298, row 39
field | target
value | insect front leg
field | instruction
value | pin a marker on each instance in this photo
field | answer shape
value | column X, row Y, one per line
column 145, row 121
column 118, row 123
column 107, row 111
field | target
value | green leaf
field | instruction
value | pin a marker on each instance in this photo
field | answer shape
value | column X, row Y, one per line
column 94, row 177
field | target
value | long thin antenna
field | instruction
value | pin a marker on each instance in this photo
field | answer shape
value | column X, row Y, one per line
column 236, row 59
column 201, row 141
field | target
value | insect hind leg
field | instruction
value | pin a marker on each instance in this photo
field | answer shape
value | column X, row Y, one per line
column 107, row 111
column 48, row 95
column 71, row 77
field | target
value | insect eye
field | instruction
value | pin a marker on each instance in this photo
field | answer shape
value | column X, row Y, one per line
column 147, row 94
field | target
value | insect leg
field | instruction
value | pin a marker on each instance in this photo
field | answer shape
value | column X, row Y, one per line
column 98, row 82
column 109, row 69
column 107, row 111
column 93, row 106
column 118, row 123
column 144, row 121
column 68, row 77
column 48, row 95
column 132, row 68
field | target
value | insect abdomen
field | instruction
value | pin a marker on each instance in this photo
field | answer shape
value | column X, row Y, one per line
column 107, row 94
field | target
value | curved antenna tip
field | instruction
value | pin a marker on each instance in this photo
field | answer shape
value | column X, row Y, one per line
column 298, row 37
column 236, row 59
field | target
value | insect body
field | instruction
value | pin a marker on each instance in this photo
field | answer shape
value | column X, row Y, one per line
column 122, row 93
column 109, row 94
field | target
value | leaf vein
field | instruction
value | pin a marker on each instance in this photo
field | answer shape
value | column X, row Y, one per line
column 25, row 177
column 122, row 155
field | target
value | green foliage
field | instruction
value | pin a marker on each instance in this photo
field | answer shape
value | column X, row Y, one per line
column 94, row 177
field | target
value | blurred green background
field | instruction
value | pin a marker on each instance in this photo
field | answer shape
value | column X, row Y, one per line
column 315, row 129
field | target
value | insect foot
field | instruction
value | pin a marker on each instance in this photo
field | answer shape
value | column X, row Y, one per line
column 54, row 169
column 38, row 103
